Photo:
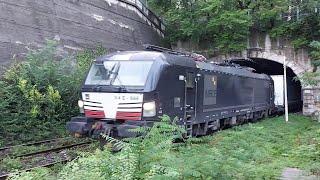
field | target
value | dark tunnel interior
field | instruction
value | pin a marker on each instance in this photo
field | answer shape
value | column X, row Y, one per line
column 272, row 68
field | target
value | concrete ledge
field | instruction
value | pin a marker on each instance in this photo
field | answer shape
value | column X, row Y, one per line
column 296, row 174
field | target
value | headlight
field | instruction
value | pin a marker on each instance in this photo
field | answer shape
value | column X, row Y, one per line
column 81, row 104
column 149, row 109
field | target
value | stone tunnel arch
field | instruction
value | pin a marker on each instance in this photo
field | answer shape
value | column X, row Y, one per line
column 296, row 67
column 272, row 64
column 271, row 49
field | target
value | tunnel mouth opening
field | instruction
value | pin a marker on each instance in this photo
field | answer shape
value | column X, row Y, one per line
column 275, row 70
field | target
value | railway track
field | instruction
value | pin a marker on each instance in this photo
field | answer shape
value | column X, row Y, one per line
column 33, row 143
column 46, row 157
column 24, row 149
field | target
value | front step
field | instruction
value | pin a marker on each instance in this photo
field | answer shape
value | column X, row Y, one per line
column 189, row 128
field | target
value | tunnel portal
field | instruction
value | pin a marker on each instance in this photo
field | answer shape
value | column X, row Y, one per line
column 275, row 70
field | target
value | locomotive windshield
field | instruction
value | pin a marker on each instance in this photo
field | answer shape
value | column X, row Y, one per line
column 119, row 73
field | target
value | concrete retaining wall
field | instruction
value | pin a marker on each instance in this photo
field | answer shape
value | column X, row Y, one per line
column 77, row 24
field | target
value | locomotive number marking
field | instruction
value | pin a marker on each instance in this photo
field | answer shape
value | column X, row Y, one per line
column 210, row 90
column 126, row 98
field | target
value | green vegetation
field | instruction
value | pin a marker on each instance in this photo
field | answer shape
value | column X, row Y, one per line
column 20, row 150
column 10, row 164
column 12, row 161
column 224, row 25
column 312, row 78
column 40, row 94
column 252, row 151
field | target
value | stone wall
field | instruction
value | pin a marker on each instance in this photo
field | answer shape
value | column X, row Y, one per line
column 311, row 101
column 259, row 45
column 77, row 24
column 263, row 47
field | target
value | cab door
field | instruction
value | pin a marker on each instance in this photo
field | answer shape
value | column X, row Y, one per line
column 190, row 95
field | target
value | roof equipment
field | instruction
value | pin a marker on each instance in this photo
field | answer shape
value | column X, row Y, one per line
column 194, row 56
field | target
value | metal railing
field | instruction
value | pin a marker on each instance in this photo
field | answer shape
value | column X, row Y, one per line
column 299, row 11
column 152, row 19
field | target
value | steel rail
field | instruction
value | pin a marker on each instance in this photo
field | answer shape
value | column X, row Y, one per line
column 33, row 143
column 53, row 149
column 4, row 176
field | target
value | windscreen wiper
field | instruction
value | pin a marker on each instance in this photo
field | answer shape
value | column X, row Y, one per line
column 115, row 73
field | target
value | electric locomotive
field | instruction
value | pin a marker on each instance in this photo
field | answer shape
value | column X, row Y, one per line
column 130, row 89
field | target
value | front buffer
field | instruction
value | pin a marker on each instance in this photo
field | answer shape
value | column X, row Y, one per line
column 88, row 127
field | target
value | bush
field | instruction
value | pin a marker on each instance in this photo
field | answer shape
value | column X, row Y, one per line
column 40, row 94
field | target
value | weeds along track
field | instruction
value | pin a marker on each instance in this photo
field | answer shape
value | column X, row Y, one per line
column 38, row 154
column 7, row 175
column 34, row 143
column 25, row 147
column 57, row 149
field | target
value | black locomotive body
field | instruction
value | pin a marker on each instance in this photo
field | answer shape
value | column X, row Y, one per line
column 129, row 89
